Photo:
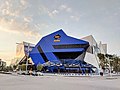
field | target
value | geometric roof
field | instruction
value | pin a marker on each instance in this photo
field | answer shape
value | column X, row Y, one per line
column 55, row 43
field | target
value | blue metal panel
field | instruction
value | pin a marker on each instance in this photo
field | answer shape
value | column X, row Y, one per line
column 37, row 59
column 47, row 42
column 51, row 57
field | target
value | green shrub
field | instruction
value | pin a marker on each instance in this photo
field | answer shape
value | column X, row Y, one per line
column 39, row 67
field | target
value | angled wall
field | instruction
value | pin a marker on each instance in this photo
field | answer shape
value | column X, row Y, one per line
column 57, row 46
column 92, row 51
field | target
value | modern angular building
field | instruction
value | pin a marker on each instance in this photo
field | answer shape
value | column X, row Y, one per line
column 60, row 49
column 57, row 47
column 22, row 52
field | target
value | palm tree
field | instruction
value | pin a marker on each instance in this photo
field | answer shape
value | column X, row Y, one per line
column 102, row 60
column 114, row 61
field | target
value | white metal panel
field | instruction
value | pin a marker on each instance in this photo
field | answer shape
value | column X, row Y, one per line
column 91, row 59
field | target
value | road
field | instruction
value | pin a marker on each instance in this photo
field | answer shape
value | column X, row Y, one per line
column 19, row 82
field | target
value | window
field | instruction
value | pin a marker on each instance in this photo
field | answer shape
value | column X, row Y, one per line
column 67, row 46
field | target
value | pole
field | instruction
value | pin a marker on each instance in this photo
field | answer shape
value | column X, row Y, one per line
column 27, row 57
column 110, row 68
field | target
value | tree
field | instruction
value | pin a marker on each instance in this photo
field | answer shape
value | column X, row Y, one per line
column 39, row 67
column 114, row 61
column 103, row 61
column 9, row 68
column 14, row 67
column 23, row 67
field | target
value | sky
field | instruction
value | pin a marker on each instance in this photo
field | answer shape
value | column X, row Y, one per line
column 30, row 20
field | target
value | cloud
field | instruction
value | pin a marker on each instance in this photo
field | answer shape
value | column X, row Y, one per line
column 43, row 26
column 14, row 26
column 76, row 18
column 65, row 8
column 12, row 7
column 24, row 2
column 12, row 19
column 61, row 9
column 48, row 11
column 17, row 27
column 53, row 13
column 27, row 19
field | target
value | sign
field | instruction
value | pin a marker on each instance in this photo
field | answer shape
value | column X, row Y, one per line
column 57, row 38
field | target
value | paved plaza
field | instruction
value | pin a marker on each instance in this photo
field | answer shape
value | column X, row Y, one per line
column 21, row 82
